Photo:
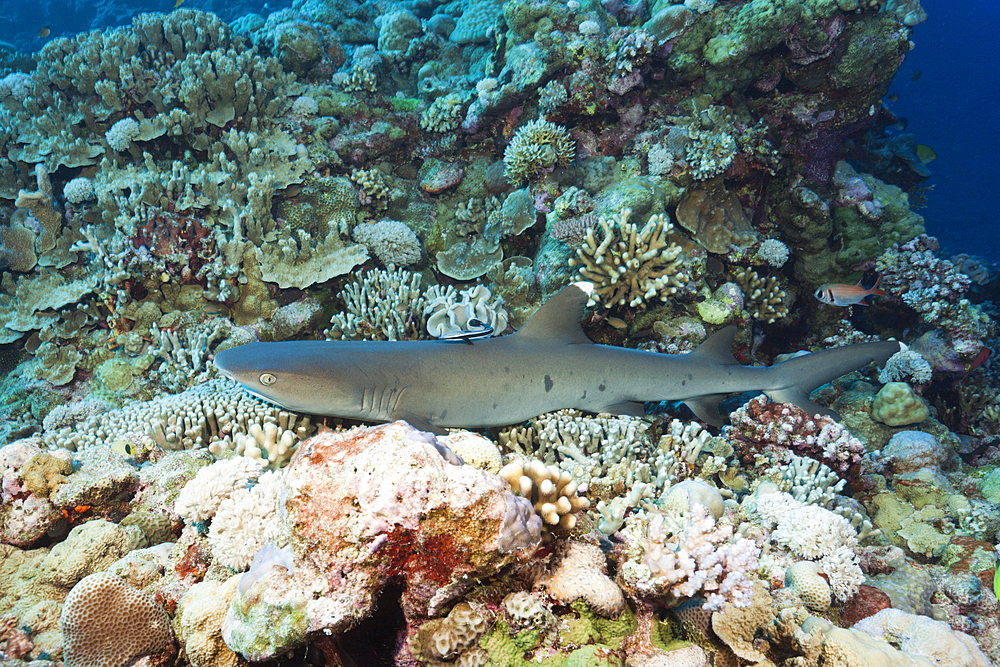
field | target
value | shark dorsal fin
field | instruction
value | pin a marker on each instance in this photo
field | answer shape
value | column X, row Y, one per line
column 559, row 318
column 719, row 347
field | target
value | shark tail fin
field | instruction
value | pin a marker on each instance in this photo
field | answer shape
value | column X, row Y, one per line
column 795, row 378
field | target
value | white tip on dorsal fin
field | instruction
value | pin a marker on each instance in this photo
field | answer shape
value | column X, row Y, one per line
column 559, row 318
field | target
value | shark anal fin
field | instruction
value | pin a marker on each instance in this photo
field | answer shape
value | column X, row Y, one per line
column 706, row 408
column 558, row 320
column 719, row 347
column 629, row 408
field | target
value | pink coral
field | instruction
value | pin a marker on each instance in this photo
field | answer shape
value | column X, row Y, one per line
column 761, row 425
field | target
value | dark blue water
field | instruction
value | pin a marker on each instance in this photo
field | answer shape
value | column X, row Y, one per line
column 952, row 106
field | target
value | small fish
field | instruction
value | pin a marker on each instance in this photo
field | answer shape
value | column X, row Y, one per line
column 925, row 153
column 915, row 74
column 839, row 294
column 44, row 32
column 901, row 125
column 892, row 97
column 178, row 3
column 122, row 448
column 616, row 322
column 480, row 330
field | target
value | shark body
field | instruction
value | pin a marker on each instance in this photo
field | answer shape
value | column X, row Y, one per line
column 548, row 365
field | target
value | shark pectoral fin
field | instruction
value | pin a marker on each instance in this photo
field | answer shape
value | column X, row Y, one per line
column 706, row 408
column 719, row 347
column 800, row 399
column 629, row 408
column 420, row 423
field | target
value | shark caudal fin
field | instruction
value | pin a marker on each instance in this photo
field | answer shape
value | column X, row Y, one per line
column 797, row 377
column 559, row 318
column 718, row 349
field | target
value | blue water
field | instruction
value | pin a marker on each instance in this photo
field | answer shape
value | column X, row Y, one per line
column 952, row 106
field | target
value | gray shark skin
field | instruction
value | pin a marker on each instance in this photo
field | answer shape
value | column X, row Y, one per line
column 548, row 365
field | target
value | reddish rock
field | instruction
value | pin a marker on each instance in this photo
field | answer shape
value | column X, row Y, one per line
column 868, row 601
column 370, row 506
column 437, row 176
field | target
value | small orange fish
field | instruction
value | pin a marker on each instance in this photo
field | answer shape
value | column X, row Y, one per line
column 838, row 294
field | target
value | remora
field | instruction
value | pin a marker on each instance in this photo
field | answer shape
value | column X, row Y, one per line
column 548, row 365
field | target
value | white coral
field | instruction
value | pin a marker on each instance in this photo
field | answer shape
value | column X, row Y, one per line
column 813, row 531
column 391, row 241
column 247, row 521
column 201, row 497
column 122, row 133
column 78, row 190
column 843, row 572
column 906, row 364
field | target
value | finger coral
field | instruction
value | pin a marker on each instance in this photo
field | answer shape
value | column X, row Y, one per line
column 631, row 266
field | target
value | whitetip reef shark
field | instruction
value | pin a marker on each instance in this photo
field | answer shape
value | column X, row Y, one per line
column 548, row 365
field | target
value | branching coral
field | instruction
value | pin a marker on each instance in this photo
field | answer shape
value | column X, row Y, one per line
column 535, row 148
column 761, row 425
column 674, row 559
column 765, row 297
column 631, row 266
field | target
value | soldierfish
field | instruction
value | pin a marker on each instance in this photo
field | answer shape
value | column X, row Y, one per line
column 838, row 294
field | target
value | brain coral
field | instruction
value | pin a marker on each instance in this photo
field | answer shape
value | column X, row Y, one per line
column 107, row 623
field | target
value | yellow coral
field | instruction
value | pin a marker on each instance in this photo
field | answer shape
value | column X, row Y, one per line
column 631, row 266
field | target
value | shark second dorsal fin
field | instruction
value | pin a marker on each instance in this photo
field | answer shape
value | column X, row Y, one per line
column 559, row 318
column 719, row 347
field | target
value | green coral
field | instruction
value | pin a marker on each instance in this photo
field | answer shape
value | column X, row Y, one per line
column 865, row 239
column 261, row 630
column 596, row 638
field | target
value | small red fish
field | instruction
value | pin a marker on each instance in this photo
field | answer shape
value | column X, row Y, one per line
column 838, row 294
column 980, row 359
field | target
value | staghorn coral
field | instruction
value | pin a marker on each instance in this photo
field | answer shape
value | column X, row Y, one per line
column 381, row 305
column 631, row 266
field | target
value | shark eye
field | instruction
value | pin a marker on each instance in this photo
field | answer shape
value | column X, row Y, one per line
column 267, row 379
